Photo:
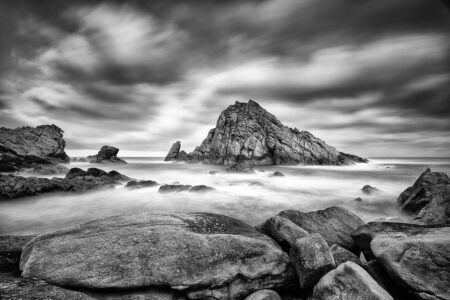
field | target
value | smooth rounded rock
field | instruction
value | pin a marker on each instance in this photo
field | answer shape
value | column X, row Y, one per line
column 264, row 295
column 283, row 230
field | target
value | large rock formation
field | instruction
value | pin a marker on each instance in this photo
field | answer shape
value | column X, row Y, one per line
column 26, row 147
column 76, row 180
column 428, row 199
column 206, row 256
column 106, row 154
column 334, row 224
column 247, row 133
column 418, row 261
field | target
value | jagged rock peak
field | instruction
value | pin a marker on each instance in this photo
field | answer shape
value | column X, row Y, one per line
column 247, row 133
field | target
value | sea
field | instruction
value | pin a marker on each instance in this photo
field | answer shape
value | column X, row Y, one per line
column 249, row 197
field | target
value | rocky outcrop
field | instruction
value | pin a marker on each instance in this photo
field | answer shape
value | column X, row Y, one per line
column 204, row 256
column 428, row 199
column 76, row 180
column 26, row 147
column 312, row 259
column 175, row 154
column 107, row 154
column 349, row 281
column 334, row 224
column 417, row 260
column 246, row 132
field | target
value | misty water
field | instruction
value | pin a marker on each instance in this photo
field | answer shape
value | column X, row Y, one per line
column 304, row 188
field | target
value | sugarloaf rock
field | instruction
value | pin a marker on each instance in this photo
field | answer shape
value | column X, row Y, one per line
column 26, row 147
column 247, row 133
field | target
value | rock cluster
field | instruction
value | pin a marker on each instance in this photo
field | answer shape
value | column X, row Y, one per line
column 76, row 180
column 106, row 154
column 428, row 199
column 27, row 147
column 247, row 133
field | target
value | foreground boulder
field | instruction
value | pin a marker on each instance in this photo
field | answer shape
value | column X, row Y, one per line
column 418, row 261
column 246, row 132
column 27, row 147
column 204, row 255
column 334, row 224
column 107, row 154
column 282, row 230
column 312, row 259
column 428, row 199
column 349, row 281
column 76, row 180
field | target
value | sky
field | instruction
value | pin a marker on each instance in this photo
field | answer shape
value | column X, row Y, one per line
column 369, row 77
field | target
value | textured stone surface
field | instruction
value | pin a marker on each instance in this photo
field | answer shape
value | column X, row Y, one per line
column 364, row 235
column 106, row 154
column 245, row 132
column 342, row 255
column 283, row 230
column 334, row 224
column 10, row 250
column 312, row 259
column 204, row 255
column 428, row 199
column 418, row 261
column 349, row 281
column 264, row 295
column 26, row 147
column 76, row 180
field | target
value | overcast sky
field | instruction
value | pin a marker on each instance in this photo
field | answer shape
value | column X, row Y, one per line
column 369, row 77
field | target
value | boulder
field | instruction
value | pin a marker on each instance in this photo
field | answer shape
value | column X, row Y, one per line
column 364, row 235
column 283, row 231
column 264, row 295
column 10, row 250
column 26, row 147
column 200, row 254
column 277, row 174
column 349, row 281
column 76, row 180
column 369, row 190
column 107, row 154
column 334, row 224
column 428, row 200
column 246, row 132
column 140, row 184
column 379, row 274
column 417, row 260
column 342, row 255
column 312, row 259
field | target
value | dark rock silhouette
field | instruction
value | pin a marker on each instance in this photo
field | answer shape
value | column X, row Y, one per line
column 247, row 133
column 175, row 154
column 369, row 190
column 27, row 147
column 107, row 154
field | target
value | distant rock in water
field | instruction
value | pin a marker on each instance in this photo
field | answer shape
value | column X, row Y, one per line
column 368, row 190
column 27, row 147
column 175, row 154
column 428, row 199
column 173, row 188
column 107, row 154
column 246, row 132
column 133, row 184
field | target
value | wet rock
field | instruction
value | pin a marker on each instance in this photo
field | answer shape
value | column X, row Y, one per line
column 312, row 259
column 417, row 260
column 246, row 132
column 172, row 188
column 342, row 255
column 10, row 250
column 428, row 199
column 140, row 184
column 202, row 255
column 107, row 154
column 264, row 295
column 277, row 174
column 359, row 199
column 240, row 168
column 76, row 180
column 50, row 169
column 283, row 231
column 334, row 224
column 349, row 281
column 369, row 190
column 201, row 189
column 27, row 147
